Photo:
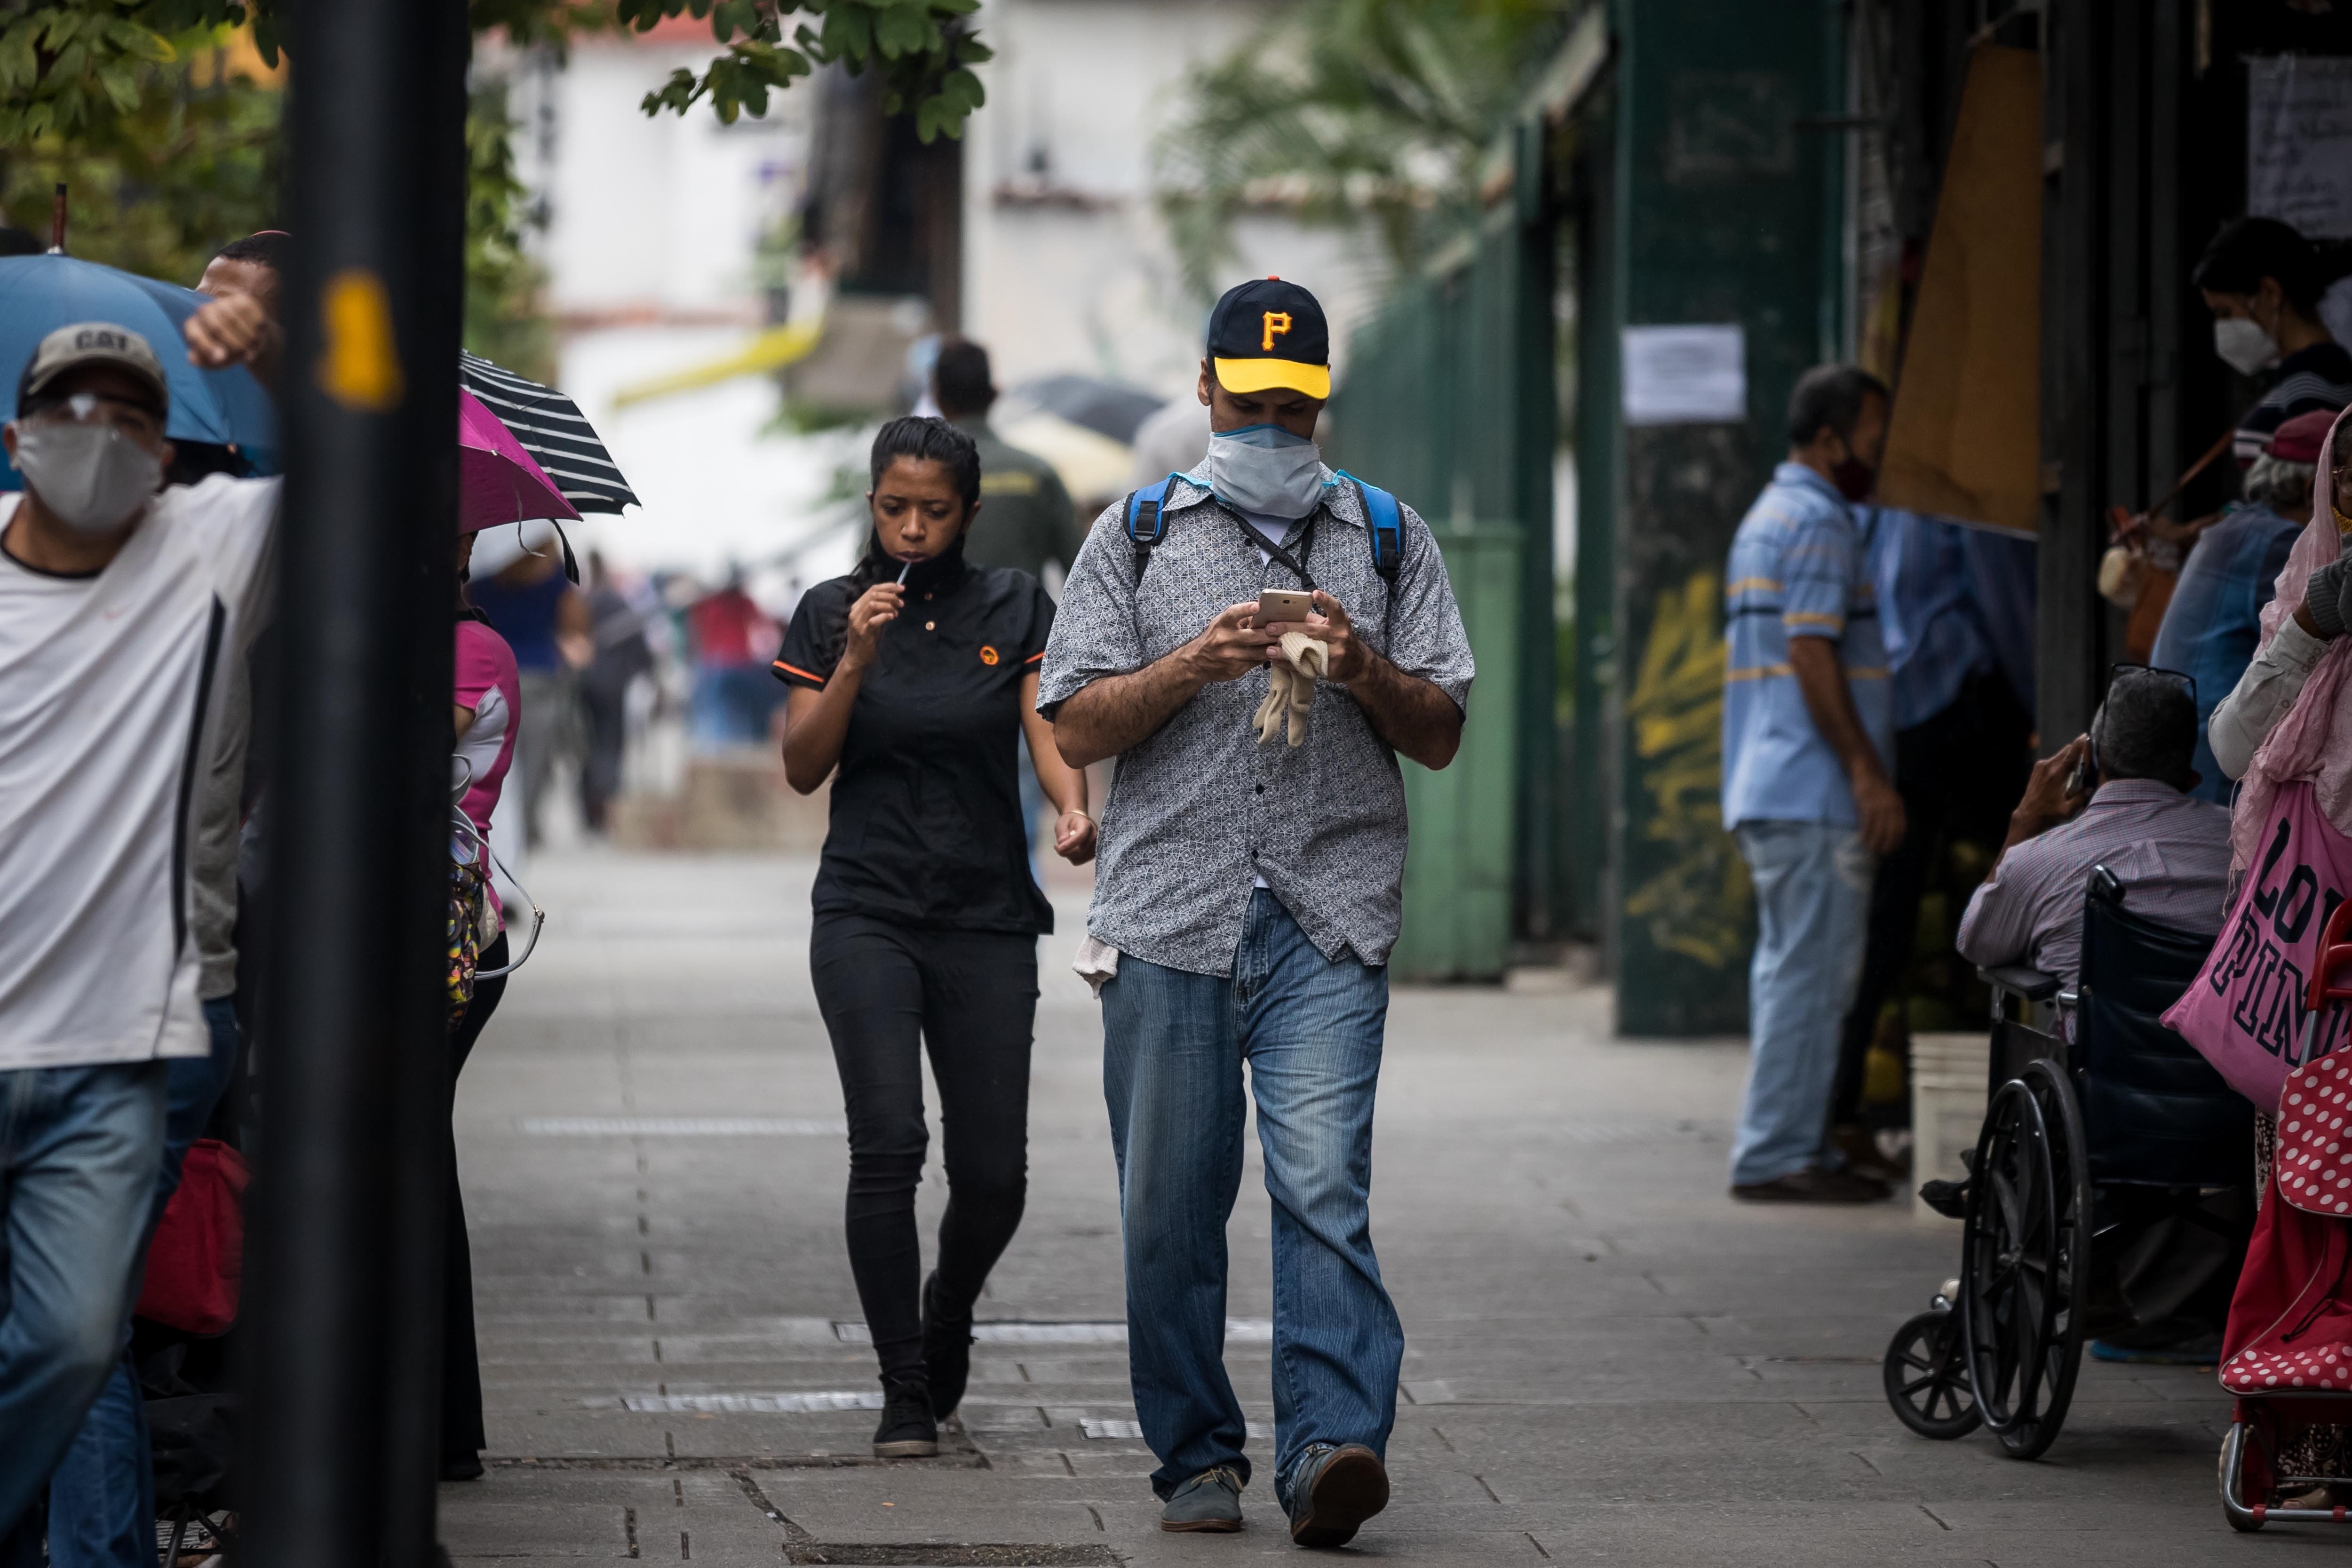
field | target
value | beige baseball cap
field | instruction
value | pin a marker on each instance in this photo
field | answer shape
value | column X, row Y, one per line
column 93, row 342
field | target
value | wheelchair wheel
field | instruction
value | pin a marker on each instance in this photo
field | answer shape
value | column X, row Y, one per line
column 1926, row 1377
column 2022, row 1264
column 2062, row 1116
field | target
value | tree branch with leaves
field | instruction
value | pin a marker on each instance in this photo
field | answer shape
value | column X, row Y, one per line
column 1351, row 111
column 69, row 69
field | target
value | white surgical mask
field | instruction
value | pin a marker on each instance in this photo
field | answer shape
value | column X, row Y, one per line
column 2242, row 344
column 1263, row 468
column 91, row 478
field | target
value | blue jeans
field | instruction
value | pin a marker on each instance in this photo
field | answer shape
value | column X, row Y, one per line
column 80, row 1147
column 1173, row 1044
column 102, row 1497
column 1813, row 896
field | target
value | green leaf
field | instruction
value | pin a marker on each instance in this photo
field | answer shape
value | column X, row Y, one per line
column 962, row 92
column 848, row 32
column 903, row 29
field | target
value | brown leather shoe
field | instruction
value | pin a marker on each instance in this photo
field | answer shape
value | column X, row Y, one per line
column 1814, row 1187
column 1862, row 1156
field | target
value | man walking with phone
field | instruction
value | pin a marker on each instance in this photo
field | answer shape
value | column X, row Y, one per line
column 1246, row 899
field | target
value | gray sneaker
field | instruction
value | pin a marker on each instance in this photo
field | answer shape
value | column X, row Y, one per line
column 1336, row 1490
column 1209, row 1501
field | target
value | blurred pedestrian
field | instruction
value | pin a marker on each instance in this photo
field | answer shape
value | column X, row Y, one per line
column 734, row 691
column 623, row 653
column 911, row 676
column 1029, row 519
column 1808, row 738
column 1171, row 440
column 1246, row 903
column 102, row 1497
column 2215, row 619
column 487, row 717
column 119, row 603
column 532, row 603
column 2262, row 281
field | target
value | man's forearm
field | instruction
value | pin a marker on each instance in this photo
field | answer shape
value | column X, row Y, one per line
column 1120, row 711
column 1820, row 677
column 1414, row 716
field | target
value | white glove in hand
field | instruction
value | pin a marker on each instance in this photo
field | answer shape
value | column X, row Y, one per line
column 1290, row 688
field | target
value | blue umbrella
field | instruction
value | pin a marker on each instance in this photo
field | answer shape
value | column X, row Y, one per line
column 39, row 294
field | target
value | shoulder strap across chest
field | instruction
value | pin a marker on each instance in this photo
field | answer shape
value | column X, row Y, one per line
column 1147, row 523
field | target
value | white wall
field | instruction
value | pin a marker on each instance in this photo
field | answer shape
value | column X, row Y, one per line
column 1084, row 281
column 653, row 225
column 653, row 215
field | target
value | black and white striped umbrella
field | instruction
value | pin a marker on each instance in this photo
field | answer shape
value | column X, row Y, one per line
column 554, row 431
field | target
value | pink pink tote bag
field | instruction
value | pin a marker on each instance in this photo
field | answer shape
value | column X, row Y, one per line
column 2247, row 1011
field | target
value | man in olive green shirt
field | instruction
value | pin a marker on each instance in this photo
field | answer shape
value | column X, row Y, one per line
column 1025, row 517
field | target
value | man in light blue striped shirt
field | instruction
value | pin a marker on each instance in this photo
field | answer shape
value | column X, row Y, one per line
column 1808, row 738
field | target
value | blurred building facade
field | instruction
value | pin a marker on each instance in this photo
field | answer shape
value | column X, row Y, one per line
column 1699, row 201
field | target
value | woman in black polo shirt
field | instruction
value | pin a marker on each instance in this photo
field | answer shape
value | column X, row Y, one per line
column 914, row 674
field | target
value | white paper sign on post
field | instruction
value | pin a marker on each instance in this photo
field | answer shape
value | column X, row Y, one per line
column 1683, row 375
column 2299, row 143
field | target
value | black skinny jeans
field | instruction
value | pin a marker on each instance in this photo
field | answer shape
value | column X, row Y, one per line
column 887, row 991
column 461, row 1370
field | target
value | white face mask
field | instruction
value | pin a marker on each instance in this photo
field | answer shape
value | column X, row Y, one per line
column 1263, row 468
column 91, row 478
column 2242, row 345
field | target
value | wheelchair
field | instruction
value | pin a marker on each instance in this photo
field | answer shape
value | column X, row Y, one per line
column 2088, row 1146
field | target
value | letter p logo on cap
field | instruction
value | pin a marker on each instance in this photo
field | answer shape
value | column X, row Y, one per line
column 1278, row 325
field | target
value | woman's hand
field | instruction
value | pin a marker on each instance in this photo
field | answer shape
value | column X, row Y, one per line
column 1073, row 837
column 875, row 608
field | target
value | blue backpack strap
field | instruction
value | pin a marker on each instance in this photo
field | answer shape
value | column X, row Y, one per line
column 1384, row 526
column 1147, row 523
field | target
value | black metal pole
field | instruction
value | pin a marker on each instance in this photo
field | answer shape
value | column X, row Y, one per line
column 343, row 1281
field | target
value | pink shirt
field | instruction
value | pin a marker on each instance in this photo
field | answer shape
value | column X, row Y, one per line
column 488, row 684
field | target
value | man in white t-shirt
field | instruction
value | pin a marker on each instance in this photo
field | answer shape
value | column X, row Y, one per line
column 120, row 604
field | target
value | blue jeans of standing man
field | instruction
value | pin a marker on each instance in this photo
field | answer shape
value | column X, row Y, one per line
column 80, row 1147
column 1813, row 896
column 102, row 1497
column 1173, row 1044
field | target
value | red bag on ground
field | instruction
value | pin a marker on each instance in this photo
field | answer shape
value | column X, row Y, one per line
column 197, row 1258
column 2246, row 1010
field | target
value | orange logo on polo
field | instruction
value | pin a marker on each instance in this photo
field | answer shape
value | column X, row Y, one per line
column 987, row 653
column 1278, row 325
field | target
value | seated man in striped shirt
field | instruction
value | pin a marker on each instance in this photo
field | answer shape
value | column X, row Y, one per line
column 2170, row 851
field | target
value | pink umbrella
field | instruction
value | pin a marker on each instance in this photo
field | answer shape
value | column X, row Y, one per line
column 497, row 481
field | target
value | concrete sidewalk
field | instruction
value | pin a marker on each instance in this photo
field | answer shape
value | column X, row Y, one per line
column 1607, row 1360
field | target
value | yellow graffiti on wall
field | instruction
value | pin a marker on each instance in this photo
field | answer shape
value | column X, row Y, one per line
column 1697, row 903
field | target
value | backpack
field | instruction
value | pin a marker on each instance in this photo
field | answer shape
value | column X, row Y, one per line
column 1147, row 524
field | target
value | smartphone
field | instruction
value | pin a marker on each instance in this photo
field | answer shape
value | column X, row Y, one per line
column 2085, row 774
column 1283, row 605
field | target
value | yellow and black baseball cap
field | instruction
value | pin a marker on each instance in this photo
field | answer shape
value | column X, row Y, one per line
column 1268, row 334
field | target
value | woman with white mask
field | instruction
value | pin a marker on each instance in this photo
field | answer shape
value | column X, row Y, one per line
column 2262, row 283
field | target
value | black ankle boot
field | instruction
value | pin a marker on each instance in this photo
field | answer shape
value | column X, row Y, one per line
column 947, row 1354
column 908, row 1431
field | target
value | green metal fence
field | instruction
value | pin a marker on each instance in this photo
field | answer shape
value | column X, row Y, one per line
column 1458, row 875
column 1448, row 401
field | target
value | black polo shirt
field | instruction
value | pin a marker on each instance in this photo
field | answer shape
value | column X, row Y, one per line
column 926, row 818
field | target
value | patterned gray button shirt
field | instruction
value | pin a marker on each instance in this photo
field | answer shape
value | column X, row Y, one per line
column 1200, row 809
